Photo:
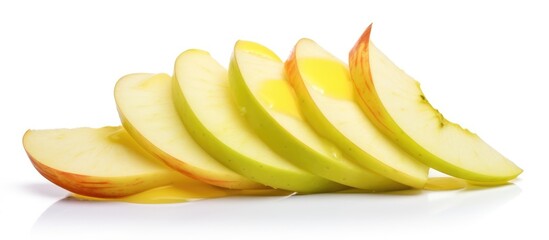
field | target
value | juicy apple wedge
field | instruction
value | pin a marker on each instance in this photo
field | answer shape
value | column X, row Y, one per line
column 395, row 103
column 259, row 84
column 326, row 95
column 207, row 108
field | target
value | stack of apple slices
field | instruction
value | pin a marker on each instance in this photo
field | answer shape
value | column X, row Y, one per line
column 307, row 125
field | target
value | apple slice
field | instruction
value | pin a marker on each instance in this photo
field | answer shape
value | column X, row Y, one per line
column 325, row 92
column 258, row 82
column 206, row 106
column 103, row 162
column 146, row 108
column 395, row 103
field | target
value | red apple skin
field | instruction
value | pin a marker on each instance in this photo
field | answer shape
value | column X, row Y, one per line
column 101, row 187
column 367, row 96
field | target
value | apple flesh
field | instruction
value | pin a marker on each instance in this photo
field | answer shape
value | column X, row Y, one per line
column 146, row 109
column 258, row 82
column 104, row 162
column 325, row 92
column 206, row 106
column 395, row 103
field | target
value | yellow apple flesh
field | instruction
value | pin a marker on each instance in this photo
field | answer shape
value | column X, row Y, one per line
column 259, row 84
column 147, row 112
column 207, row 108
column 104, row 162
column 395, row 103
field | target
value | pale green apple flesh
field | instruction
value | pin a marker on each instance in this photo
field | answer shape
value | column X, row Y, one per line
column 147, row 112
column 207, row 108
column 395, row 103
column 258, row 82
column 325, row 92
column 102, row 162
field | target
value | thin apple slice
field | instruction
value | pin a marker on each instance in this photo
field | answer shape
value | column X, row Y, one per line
column 104, row 162
column 146, row 108
column 325, row 92
column 206, row 106
column 395, row 103
column 258, row 82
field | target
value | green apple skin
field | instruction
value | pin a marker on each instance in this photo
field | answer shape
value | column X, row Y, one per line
column 253, row 159
column 461, row 154
column 146, row 110
column 251, row 66
column 342, row 121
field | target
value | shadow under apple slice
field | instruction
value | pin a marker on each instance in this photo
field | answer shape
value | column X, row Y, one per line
column 373, row 213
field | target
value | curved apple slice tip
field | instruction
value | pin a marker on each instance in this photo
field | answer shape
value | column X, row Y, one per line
column 394, row 102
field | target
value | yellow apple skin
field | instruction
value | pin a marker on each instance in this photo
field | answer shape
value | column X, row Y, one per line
column 150, row 87
column 415, row 176
column 287, row 177
column 102, row 185
column 275, row 128
column 360, row 59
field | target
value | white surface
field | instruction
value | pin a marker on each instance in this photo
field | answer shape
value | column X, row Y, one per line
column 484, row 65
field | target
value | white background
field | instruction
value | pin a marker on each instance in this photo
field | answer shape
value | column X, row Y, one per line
column 483, row 64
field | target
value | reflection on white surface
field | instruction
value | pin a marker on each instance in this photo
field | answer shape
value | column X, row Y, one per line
column 271, row 215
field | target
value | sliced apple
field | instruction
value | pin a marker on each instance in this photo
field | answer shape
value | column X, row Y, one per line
column 103, row 162
column 206, row 106
column 258, row 82
column 146, row 108
column 325, row 92
column 395, row 103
